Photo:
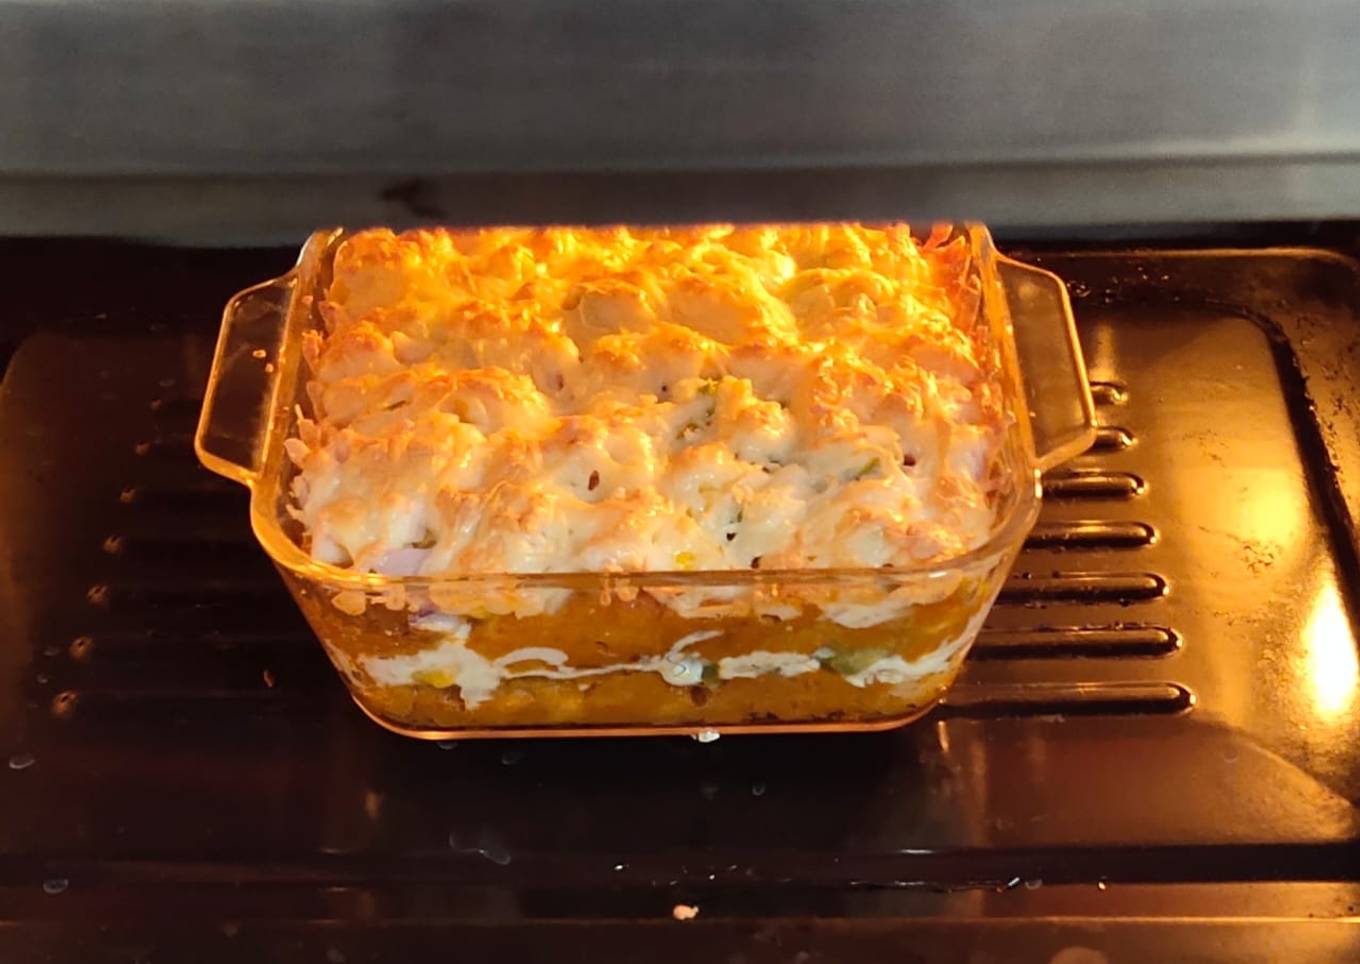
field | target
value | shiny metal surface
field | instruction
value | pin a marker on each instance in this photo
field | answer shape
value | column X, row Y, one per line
column 248, row 119
column 1154, row 755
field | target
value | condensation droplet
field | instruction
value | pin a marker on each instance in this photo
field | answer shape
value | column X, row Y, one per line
column 447, row 744
column 56, row 885
column 21, row 761
column 757, row 789
column 497, row 854
column 706, row 736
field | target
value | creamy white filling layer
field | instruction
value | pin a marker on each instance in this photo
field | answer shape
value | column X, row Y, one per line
column 451, row 663
column 895, row 669
column 761, row 662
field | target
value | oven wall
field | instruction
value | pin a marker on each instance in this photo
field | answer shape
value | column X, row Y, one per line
column 233, row 120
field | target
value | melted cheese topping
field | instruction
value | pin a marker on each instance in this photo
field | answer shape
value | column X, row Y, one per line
column 517, row 400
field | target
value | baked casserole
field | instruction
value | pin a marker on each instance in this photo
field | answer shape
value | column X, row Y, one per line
column 627, row 479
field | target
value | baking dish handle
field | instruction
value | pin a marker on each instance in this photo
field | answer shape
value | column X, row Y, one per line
column 245, row 371
column 1061, row 413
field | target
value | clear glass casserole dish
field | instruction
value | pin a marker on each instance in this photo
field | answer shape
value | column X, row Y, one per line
column 606, row 653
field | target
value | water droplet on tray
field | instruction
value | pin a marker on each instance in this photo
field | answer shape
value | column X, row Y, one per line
column 495, row 853
column 21, row 761
column 56, row 885
column 757, row 789
column 447, row 744
column 706, row 736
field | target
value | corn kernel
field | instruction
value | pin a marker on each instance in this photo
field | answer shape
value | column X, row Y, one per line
column 438, row 678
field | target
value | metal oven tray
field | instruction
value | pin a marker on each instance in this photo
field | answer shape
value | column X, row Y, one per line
column 1153, row 751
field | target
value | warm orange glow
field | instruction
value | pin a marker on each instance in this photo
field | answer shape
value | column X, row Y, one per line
column 1333, row 667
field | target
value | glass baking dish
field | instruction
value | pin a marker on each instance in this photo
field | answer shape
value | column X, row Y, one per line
column 594, row 653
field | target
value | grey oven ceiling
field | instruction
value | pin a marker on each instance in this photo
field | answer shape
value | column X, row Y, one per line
column 234, row 117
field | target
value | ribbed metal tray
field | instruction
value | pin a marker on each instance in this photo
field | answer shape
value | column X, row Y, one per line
column 1160, row 723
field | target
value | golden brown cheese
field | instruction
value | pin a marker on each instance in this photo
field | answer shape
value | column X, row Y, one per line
column 566, row 399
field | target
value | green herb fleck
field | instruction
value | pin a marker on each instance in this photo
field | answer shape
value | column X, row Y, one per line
column 872, row 466
column 854, row 661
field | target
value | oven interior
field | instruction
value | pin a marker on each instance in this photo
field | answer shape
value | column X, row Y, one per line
column 1154, row 752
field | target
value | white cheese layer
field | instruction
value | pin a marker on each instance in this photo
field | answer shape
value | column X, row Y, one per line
column 761, row 662
column 895, row 669
column 618, row 400
column 452, row 663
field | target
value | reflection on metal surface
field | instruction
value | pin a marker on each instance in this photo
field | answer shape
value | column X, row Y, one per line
column 1271, row 519
column 1333, row 668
